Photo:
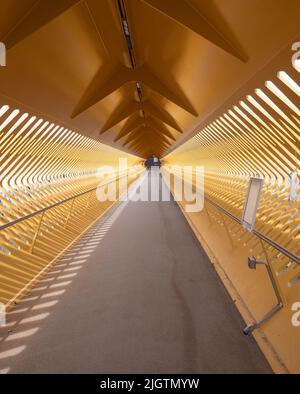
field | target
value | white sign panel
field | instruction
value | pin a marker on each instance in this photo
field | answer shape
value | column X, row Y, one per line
column 2, row 55
column 251, row 203
column 2, row 315
column 294, row 186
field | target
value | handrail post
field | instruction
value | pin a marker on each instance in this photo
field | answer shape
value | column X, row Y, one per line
column 36, row 233
column 252, row 262
column 276, row 285
column 227, row 231
column 30, row 215
column 88, row 202
column 70, row 212
column 207, row 213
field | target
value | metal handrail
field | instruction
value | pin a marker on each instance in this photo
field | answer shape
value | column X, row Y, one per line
column 30, row 215
column 260, row 235
column 252, row 264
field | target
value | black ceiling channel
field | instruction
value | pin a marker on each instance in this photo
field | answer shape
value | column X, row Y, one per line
column 126, row 31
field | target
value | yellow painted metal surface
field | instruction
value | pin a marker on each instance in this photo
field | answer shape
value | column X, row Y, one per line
column 143, row 76
column 41, row 165
column 255, row 133
column 70, row 59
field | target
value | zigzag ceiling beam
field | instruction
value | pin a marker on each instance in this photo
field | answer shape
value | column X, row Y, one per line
column 178, row 97
column 196, row 20
column 120, row 113
column 155, row 145
column 148, row 133
column 136, row 144
column 136, row 150
column 161, row 132
column 134, row 130
column 131, row 124
column 124, row 111
column 159, row 126
column 40, row 14
column 151, row 121
column 161, row 114
column 163, row 136
column 134, row 141
column 142, row 149
column 133, row 135
column 154, row 132
column 147, row 150
column 98, row 88
column 139, row 140
column 149, row 146
column 105, row 16
column 144, row 132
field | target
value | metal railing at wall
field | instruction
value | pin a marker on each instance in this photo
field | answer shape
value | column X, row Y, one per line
column 255, row 133
column 32, row 243
column 41, row 211
column 258, row 234
column 252, row 261
column 290, row 255
column 48, row 175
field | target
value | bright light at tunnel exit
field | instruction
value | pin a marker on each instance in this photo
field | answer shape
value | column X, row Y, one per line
column 188, row 184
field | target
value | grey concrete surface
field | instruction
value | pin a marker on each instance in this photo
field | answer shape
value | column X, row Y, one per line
column 136, row 294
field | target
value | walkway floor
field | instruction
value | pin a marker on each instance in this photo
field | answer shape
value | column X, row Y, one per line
column 136, row 294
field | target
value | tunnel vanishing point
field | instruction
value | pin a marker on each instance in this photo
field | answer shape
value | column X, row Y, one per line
column 149, row 186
